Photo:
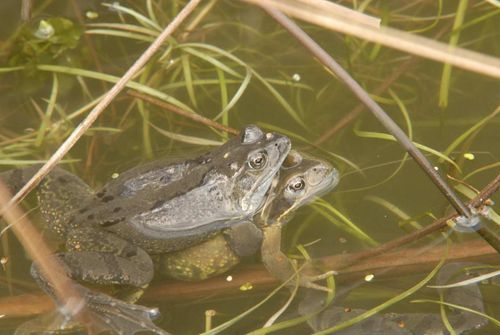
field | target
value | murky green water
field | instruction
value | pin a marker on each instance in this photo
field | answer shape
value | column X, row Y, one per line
column 237, row 50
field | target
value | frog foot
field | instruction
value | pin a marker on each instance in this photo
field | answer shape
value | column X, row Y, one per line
column 308, row 281
column 108, row 315
column 121, row 317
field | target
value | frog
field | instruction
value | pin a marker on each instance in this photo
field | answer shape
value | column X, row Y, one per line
column 110, row 236
column 301, row 179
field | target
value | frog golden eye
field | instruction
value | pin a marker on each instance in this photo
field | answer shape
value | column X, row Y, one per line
column 297, row 184
column 258, row 161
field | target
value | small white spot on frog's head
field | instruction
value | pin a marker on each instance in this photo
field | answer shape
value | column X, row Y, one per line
column 114, row 175
column 234, row 166
column 226, row 155
column 229, row 278
column 269, row 136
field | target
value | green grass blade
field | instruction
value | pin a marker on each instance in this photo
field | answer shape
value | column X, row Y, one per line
column 113, row 79
column 145, row 21
column 186, row 138
column 151, row 11
column 117, row 33
column 282, row 101
column 463, row 308
column 384, row 136
column 211, row 60
column 11, row 69
column 48, row 113
column 394, row 210
column 482, row 169
column 470, row 131
column 224, row 98
column 239, row 317
column 325, row 209
column 239, row 93
column 444, row 88
column 186, row 69
column 124, row 27
column 475, row 280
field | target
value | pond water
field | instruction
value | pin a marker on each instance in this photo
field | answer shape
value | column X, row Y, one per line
column 237, row 66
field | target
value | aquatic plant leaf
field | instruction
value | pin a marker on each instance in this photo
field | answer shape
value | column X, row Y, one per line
column 186, row 138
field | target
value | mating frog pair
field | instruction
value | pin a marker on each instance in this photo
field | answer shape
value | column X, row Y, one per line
column 192, row 219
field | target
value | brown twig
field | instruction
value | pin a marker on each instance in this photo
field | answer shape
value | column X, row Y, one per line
column 99, row 108
column 26, row 9
column 180, row 111
column 191, row 26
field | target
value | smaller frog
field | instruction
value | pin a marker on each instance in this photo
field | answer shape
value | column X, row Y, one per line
column 301, row 179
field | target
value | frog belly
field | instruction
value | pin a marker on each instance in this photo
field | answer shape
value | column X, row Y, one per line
column 202, row 261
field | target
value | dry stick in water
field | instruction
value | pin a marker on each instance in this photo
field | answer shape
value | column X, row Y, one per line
column 380, row 114
column 51, row 269
column 99, row 108
column 180, row 111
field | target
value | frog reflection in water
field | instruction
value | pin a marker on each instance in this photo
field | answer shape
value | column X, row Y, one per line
column 109, row 239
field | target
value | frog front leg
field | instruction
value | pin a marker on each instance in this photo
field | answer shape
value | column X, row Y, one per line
column 214, row 256
column 280, row 266
column 99, row 257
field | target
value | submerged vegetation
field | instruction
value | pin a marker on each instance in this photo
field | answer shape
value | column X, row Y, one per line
column 233, row 64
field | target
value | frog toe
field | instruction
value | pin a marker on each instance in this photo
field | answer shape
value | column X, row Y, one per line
column 308, row 281
column 50, row 323
column 123, row 318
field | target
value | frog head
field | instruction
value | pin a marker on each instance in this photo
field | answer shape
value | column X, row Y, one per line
column 302, row 178
column 251, row 160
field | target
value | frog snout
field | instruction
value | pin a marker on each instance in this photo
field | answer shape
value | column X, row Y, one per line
column 284, row 145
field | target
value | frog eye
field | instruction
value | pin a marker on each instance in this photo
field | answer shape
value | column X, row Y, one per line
column 297, row 184
column 258, row 160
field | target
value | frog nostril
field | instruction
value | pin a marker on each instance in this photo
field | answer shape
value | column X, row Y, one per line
column 107, row 198
column 131, row 253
